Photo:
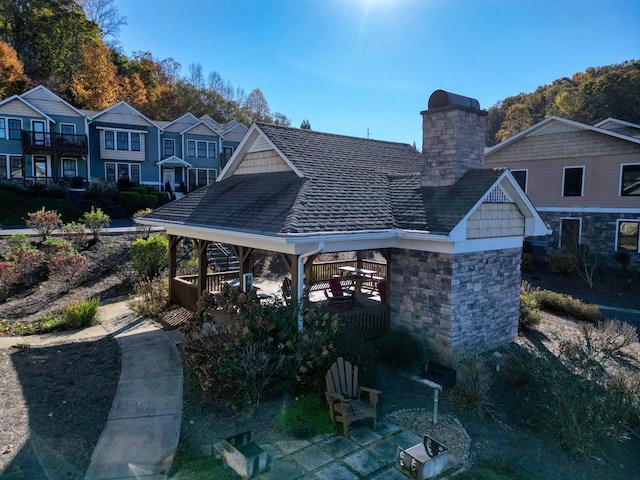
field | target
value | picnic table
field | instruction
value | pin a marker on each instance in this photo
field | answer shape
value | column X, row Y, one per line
column 360, row 276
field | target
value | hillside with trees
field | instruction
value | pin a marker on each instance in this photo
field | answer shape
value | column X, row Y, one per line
column 70, row 47
column 587, row 97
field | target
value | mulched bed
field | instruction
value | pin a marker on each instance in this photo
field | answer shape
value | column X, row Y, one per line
column 54, row 402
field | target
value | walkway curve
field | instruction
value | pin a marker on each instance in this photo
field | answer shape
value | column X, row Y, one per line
column 143, row 428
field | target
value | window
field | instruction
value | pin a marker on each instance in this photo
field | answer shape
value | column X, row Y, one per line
column 128, row 171
column 630, row 180
column 16, row 166
column 520, row 177
column 199, row 177
column 123, row 140
column 40, row 167
column 68, row 131
column 15, row 129
column 573, row 181
column 202, row 149
column 168, row 147
column 211, row 146
column 191, row 148
column 69, row 168
column 135, row 174
column 3, row 128
column 627, row 239
column 569, row 233
column 135, row 142
column 3, row 167
column 109, row 140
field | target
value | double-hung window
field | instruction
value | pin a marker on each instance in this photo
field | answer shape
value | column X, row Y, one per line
column 211, row 146
column 3, row 128
column 627, row 236
column 630, row 184
column 202, row 149
column 69, row 168
column 168, row 147
column 109, row 142
column 16, row 166
column 123, row 140
column 135, row 142
column 15, row 129
column 573, row 181
column 191, row 148
column 3, row 167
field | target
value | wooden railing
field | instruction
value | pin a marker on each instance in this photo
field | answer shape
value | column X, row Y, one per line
column 186, row 291
column 369, row 322
column 321, row 272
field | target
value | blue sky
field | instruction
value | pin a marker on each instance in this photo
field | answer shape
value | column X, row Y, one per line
column 358, row 67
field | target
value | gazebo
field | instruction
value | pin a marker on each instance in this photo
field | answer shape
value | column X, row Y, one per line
column 451, row 232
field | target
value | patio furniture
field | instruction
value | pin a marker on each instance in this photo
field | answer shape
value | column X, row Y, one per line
column 337, row 296
column 344, row 395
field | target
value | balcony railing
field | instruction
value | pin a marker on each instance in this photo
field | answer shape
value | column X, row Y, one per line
column 46, row 142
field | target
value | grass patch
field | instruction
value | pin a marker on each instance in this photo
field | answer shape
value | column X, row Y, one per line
column 191, row 465
column 305, row 417
column 79, row 314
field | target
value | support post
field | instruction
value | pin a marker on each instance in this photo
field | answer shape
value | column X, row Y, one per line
column 203, row 264
column 174, row 240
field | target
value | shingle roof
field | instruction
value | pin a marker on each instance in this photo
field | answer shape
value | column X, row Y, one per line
column 350, row 184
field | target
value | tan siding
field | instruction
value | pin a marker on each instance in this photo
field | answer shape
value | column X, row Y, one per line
column 17, row 108
column 53, row 108
column 495, row 220
column 261, row 162
column 600, row 155
column 126, row 155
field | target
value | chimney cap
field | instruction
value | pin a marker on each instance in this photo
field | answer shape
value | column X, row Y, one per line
column 442, row 99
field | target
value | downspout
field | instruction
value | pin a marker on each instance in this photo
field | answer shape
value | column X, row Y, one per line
column 301, row 260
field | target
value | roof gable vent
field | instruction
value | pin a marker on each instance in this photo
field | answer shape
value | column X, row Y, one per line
column 497, row 195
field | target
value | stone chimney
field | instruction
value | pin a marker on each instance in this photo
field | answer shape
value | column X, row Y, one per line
column 453, row 128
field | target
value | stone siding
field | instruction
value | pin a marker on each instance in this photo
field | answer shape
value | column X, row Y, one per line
column 599, row 231
column 459, row 304
column 452, row 143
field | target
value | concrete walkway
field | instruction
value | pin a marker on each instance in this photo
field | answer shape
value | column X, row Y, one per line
column 143, row 428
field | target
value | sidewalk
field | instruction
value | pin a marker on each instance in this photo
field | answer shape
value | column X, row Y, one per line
column 143, row 427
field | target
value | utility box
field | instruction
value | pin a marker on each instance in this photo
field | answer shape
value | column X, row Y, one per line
column 424, row 460
column 439, row 374
column 244, row 456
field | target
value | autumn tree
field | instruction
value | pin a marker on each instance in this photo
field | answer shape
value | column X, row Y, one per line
column 516, row 120
column 94, row 84
column 12, row 78
column 256, row 106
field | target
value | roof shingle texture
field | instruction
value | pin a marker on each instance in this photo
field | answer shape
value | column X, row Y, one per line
column 350, row 184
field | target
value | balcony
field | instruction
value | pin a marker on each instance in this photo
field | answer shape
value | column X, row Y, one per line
column 46, row 143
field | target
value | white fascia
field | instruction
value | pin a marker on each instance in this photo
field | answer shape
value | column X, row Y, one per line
column 613, row 210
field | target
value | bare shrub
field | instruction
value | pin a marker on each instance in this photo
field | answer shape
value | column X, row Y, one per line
column 473, row 386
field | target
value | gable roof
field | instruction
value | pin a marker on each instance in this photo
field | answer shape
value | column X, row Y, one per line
column 125, row 106
column 619, row 126
column 335, row 185
column 555, row 124
column 18, row 98
column 42, row 93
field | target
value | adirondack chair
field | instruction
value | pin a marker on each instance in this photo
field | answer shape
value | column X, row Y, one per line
column 344, row 396
column 337, row 296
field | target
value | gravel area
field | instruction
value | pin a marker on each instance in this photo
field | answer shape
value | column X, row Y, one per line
column 448, row 431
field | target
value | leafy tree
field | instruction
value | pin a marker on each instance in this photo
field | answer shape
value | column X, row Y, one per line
column 47, row 36
column 12, row 78
column 517, row 119
column 256, row 106
column 94, row 83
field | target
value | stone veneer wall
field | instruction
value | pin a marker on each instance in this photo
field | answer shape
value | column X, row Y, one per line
column 456, row 304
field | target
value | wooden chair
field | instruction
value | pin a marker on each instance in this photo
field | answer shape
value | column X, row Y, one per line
column 344, row 396
column 337, row 296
